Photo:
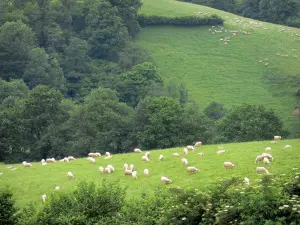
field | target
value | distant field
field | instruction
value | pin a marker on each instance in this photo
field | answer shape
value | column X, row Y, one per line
column 28, row 184
column 230, row 74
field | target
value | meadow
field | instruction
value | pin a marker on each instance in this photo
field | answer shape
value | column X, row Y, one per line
column 28, row 184
column 228, row 73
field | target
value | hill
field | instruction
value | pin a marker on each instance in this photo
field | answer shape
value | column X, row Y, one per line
column 228, row 73
column 28, row 184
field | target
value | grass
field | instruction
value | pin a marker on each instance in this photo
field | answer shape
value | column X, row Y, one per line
column 230, row 74
column 28, row 184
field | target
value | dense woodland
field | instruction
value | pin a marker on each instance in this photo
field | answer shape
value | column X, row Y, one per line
column 286, row 12
column 72, row 82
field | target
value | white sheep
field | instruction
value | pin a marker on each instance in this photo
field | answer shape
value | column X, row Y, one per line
column 246, row 181
column 101, row 169
column 146, row 172
column 148, row 154
column 269, row 156
column 266, row 161
column 262, row 170
column 107, row 153
column 111, row 167
column 165, row 180
column 229, row 165
column 268, row 148
column 52, row 160
column 44, row 197
column 198, row 144
column 44, row 164
column 190, row 147
column 185, row 151
column 108, row 157
column 287, row 146
column 134, row 175
column 175, row 154
column 137, row 150
column 200, row 154
column 131, row 167
column 125, row 166
column 145, row 158
column 221, row 152
column 192, row 169
column 26, row 164
column 70, row 158
column 108, row 170
column 277, row 138
column 92, row 160
column 259, row 158
column 127, row 172
column 98, row 154
column 70, row 175
column 161, row 157
column 57, row 188
column 184, row 161
column 43, row 160
column 91, row 154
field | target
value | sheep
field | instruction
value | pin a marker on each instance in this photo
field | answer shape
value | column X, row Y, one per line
column 198, row 144
column 161, row 157
column 190, row 147
column 269, row 156
column 175, row 154
column 97, row 154
column 277, row 138
column 259, row 158
column 91, row 154
column 108, row 170
column 52, row 160
column 221, row 152
column 70, row 175
column 57, row 188
column 134, row 175
column 200, row 154
column 266, row 161
column 107, row 153
column 111, row 167
column 137, row 150
column 185, row 151
column 184, row 161
column 287, row 146
column 92, row 160
column 101, row 169
column 127, row 172
column 108, row 157
column 228, row 165
column 145, row 158
column 246, row 181
column 192, row 169
column 146, row 172
column 65, row 159
column 165, row 180
column 44, row 164
column 71, row 158
column 125, row 166
column 44, row 197
column 43, row 160
column 268, row 148
column 131, row 167
column 262, row 170
column 26, row 164
column 147, row 154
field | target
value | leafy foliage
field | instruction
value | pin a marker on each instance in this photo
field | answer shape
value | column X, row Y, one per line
column 7, row 208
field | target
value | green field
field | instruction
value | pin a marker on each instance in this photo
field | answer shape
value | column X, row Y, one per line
column 28, row 184
column 230, row 74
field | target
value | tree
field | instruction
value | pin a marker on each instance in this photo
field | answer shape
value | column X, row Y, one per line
column 101, row 123
column 250, row 122
column 43, row 69
column 215, row 111
column 105, row 31
column 7, row 208
column 16, row 41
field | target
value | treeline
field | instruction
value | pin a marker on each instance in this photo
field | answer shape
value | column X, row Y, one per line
column 72, row 82
column 285, row 12
column 273, row 200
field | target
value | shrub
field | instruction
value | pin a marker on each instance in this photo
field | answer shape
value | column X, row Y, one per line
column 145, row 20
column 7, row 208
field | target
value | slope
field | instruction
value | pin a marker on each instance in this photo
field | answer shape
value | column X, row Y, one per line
column 228, row 73
column 28, row 184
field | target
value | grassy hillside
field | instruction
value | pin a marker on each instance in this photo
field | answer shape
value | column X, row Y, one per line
column 28, row 184
column 228, row 73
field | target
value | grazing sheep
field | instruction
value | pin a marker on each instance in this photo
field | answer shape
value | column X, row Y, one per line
column 131, row 167
column 145, row 158
column 52, row 160
column 221, row 152
column 101, row 169
column 26, row 164
column 44, row 197
column 268, row 148
column 190, row 147
column 229, row 165
column 147, row 154
column 161, row 157
column 107, row 153
column 70, row 175
column 125, row 166
column 92, row 160
column 146, row 172
column 165, row 180
column 184, row 161
column 111, row 167
column 200, row 154
column 246, row 181
column 269, row 156
column 98, row 154
column 137, row 150
column 57, row 188
column 134, row 175
column 192, row 169
column 266, row 161
column 71, row 158
column 108, row 157
column 185, row 151
column 262, row 170
column 108, row 170
column 198, row 144
column 277, row 138
column 127, row 172
column 287, row 146
column 64, row 159
column 175, row 154
column 259, row 158
column 44, row 164
column 43, row 160
column 91, row 154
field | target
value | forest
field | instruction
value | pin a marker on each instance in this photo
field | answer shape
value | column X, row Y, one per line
column 73, row 82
